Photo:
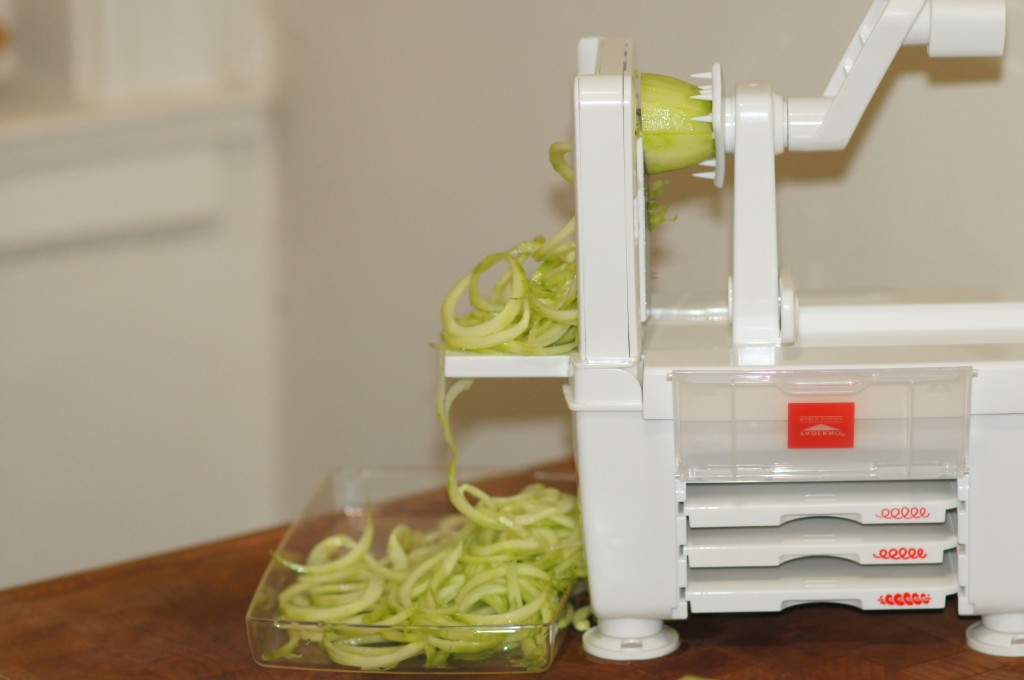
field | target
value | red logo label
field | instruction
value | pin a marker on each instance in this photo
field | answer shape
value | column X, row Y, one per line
column 827, row 425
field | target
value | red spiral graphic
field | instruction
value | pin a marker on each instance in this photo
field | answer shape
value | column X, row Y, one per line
column 901, row 554
column 903, row 512
column 905, row 599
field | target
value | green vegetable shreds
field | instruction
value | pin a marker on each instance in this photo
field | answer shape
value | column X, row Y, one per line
column 673, row 139
column 530, row 305
column 492, row 577
column 491, row 580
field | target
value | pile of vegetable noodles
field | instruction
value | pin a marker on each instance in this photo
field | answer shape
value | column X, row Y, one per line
column 493, row 576
column 530, row 308
column 490, row 579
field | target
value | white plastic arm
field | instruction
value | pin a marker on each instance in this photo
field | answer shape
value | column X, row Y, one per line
column 949, row 28
column 756, row 124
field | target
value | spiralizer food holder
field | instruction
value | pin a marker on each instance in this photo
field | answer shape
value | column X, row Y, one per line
column 765, row 455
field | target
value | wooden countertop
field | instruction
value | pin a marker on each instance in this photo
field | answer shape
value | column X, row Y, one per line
column 182, row 615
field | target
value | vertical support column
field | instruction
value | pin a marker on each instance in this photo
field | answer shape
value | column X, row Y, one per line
column 995, row 543
column 759, row 136
column 625, row 463
column 606, row 181
column 626, row 468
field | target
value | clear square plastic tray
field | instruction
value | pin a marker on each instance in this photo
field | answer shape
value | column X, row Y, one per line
column 414, row 497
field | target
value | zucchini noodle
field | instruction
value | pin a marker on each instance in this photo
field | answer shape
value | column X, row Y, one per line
column 530, row 309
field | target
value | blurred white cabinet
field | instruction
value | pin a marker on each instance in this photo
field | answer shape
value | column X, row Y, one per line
column 138, row 284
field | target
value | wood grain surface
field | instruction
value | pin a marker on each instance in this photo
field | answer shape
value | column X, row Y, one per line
column 182, row 615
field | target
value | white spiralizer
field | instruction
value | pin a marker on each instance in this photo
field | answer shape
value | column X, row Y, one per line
column 763, row 455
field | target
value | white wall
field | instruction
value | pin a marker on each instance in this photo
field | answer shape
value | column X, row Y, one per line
column 139, row 392
column 415, row 140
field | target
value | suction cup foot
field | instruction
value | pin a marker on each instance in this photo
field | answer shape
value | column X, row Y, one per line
column 630, row 640
column 998, row 635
